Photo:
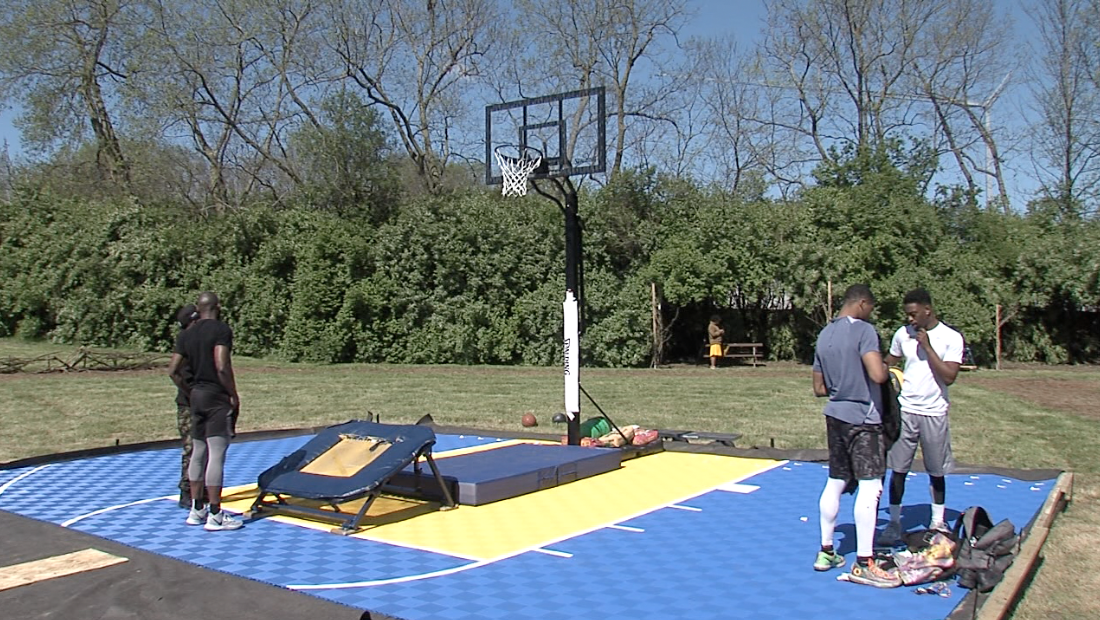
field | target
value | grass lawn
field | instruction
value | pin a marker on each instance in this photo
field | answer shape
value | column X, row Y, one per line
column 1023, row 418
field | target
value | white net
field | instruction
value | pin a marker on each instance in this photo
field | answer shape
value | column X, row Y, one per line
column 515, row 170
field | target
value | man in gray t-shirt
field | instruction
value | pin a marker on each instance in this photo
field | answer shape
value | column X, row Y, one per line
column 853, row 397
column 848, row 369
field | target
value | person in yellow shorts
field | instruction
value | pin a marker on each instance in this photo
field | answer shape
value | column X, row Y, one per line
column 714, row 338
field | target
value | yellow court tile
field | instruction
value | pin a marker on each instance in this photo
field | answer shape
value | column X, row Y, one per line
column 533, row 520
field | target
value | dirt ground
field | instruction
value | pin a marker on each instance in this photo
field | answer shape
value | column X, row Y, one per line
column 1077, row 396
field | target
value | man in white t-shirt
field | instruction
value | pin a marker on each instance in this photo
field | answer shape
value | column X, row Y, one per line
column 933, row 353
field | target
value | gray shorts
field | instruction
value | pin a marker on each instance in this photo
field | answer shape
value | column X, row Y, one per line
column 934, row 436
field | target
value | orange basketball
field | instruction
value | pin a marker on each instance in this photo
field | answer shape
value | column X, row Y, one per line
column 529, row 420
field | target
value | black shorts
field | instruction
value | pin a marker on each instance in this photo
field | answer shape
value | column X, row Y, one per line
column 856, row 451
column 211, row 414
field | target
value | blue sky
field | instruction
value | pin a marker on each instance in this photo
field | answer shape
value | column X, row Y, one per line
column 8, row 133
column 744, row 19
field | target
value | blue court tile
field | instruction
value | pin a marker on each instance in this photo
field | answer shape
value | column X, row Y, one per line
column 740, row 556
column 65, row 490
column 10, row 474
column 245, row 460
column 265, row 550
column 444, row 443
column 735, row 556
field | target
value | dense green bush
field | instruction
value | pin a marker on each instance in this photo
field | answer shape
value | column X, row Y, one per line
column 473, row 278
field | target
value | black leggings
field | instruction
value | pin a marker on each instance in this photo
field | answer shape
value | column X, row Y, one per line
column 897, row 488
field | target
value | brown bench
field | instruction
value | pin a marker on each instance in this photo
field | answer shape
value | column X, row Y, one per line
column 740, row 350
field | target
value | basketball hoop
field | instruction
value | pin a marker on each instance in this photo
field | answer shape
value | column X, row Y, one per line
column 516, row 165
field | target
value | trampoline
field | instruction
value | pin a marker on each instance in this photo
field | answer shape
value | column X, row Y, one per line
column 344, row 463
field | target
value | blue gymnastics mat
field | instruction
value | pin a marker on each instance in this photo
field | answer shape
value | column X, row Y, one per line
column 488, row 476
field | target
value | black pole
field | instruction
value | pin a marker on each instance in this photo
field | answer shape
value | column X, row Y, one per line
column 580, row 278
column 572, row 283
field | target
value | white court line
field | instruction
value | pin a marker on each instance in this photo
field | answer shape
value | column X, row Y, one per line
column 765, row 470
column 687, row 508
column 382, row 582
column 480, row 563
column 8, row 484
column 395, row 543
column 110, row 508
column 739, row 488
column 276, row 518
column 560, row 554
column 626, row 528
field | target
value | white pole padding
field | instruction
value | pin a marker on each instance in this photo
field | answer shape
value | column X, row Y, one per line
column 571, row 356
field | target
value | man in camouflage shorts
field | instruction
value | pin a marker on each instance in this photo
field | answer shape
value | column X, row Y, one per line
column 848, row 370
column 185, row 316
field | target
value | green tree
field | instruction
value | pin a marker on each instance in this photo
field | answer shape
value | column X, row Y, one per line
column 345, row 160
column 414, row 61
column 63, row 62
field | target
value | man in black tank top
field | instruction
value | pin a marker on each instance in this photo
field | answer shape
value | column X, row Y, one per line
column 205, row 347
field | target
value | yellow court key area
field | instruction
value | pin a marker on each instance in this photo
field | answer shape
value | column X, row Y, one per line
column 511, row 526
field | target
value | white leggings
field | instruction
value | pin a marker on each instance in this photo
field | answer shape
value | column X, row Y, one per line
column 865, row 512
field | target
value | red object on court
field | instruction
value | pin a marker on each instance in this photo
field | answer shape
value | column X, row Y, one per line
column 529, row 420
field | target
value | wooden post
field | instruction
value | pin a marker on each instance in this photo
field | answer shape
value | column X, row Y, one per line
column 1004, row 597
column 998, row 336
column 656, row 325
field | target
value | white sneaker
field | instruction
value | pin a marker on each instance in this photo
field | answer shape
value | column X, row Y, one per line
column 891, row 535
column 222, row 521
column 939, row 526
column 197, row 517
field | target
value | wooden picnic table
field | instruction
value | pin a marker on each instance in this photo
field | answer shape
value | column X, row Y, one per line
column 742, row 350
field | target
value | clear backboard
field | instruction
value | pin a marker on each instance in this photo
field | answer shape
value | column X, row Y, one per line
column 568, row 129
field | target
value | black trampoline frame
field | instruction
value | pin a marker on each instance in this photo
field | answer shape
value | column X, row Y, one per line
column 349, row 523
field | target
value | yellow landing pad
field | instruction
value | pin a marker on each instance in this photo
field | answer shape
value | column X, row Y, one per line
column 534, row 520
column 347, row 457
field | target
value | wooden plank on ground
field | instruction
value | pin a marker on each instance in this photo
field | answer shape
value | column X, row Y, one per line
column 57, row 566
column 1005, row 595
